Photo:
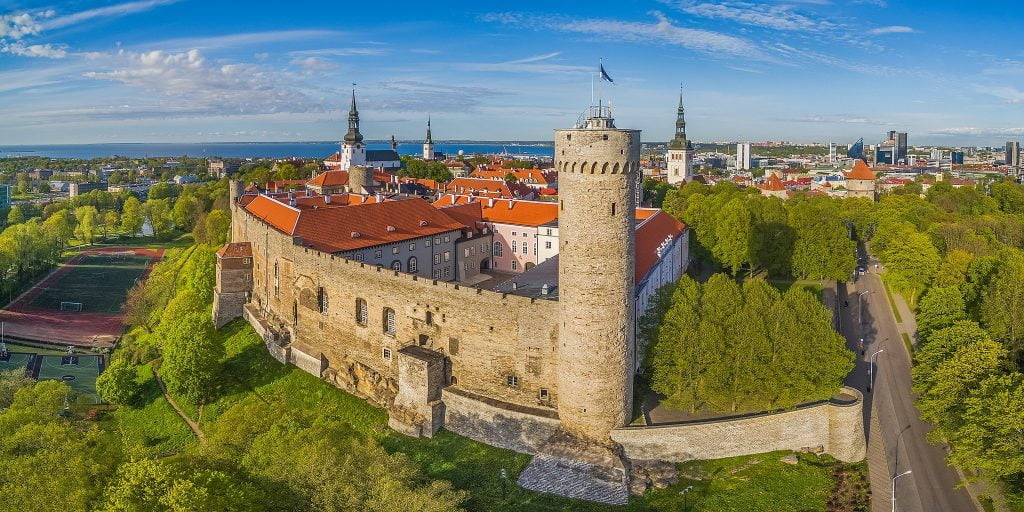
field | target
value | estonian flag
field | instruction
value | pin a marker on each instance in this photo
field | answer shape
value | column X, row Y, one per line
column 604, row 75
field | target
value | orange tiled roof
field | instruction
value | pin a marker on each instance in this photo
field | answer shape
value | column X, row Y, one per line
column 236, row 250
column 476, row 186
column 533, row 176
column 336, row 200
column 520, row 213
column 277, row 214
column 646, row 213
column 650, row 233
column 773, row 183
column 860, row 171
column 357, row 227
column 330, row 179
column 470, row 214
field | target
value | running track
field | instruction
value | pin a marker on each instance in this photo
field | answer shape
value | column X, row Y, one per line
column 65, row 328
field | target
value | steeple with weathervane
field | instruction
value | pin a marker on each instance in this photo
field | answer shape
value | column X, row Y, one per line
column 680, row 149
column 428, row 144
column 353, row 151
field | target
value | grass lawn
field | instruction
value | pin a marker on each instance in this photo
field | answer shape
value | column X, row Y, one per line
column 153, row 428
column 892, row 303
column 99, row 281
column 759, row 482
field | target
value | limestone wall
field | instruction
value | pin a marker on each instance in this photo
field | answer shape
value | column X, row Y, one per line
column 836, row 428
column 485, row 336
column 514, row 428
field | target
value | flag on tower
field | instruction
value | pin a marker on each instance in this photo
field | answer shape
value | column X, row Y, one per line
column 603, row 73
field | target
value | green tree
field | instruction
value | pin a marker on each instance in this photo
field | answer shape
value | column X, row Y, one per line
column 911, row 263
column 85, row 220
column 158, row 212
column 117, row 384
column 941, row 307
column 132, row 216
column 1001, row 311
column 156, row 485
column 992, row 428
column 510, row 177
column 192, row 355
column 823, row 247
column 732, row 235
column 218, row 227
column 110, row 222
column 15, row 216
column 186, row 209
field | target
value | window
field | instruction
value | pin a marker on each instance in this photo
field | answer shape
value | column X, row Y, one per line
column 453, row 346
column 465, row 265
column 429, row 318
column 534, row 249
column 447, row 255
column 613, row 208
column 378, row 253
column 389, row 321
column 361, row 312
column 396, row 265
column 424, row 339
column 525, row 249
column 437, row 259
column 447, row 272
column 549, row 232
column 515, row 265
column 412, row 246
column 359, row 257
column 497, row 249
column 514, row 233
column 437, row 273
column 472, row 251
column 277, row 280
column 322, row 300
column 437, row 240
column 543, row 394
column 447, row 238
column 426, row 243
column 394, row 250
column 454, row 380
column 247, row 261
column 547, row 245
column 465, row 252
column 295, row 313
column 512, row 381
column 513, row 245
column 386, row 353
column 412, row 264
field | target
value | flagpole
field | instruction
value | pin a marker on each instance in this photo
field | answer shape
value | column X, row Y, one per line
column 600, row 87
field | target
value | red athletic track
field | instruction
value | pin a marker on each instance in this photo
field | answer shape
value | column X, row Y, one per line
column 67, row 328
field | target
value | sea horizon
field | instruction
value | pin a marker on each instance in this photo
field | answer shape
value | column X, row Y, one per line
column 301, row 149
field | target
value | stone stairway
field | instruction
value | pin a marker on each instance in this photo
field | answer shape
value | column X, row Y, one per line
column 575, row 479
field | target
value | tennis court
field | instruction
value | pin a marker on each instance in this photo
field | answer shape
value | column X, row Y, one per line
column 81, row 377
column 99, row 282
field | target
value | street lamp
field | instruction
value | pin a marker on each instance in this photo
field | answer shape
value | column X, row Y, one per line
column 684, row 492
column 860, row 307
column 871, row 365
column 907, row 472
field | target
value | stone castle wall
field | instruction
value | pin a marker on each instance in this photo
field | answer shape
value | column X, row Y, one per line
column 485, row 336
column 837, row 428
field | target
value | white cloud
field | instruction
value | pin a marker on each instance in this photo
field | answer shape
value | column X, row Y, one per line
column 342, row 52
column 241, row 39
column 970, row 130
column 17, row 26
column 34, row 50
column 893, row 29
column 534, row 64
column 108, row 11
column 776, row 17
column 187, row 82
column 1007, row 93
column 311, row 64
column 662, row 31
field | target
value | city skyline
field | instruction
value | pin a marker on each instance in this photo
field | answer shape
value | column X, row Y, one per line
column 804, row 71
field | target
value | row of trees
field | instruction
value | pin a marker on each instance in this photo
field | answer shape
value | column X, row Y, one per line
column 431, row 170
column 722, row 347
column 805, row 237
column 960, row 252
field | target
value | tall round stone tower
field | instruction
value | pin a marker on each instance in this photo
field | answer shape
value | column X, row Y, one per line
column 597, row 165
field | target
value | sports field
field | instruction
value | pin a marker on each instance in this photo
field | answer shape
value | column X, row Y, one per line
column 81, row 377
column 100, row 282
column 15, row 361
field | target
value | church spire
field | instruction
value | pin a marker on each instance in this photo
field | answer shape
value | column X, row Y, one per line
column 353, row 136
column 428, row 140
column 680, row 141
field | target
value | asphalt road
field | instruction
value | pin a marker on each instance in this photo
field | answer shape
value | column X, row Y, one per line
column 931, row 487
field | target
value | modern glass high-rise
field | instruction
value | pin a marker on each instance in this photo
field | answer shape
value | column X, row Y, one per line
column 956, row 157
column 857, row 149
column 1012, row 157
column 5, row 196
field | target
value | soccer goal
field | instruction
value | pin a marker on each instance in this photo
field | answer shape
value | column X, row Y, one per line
column 121, row 255
column 71, row 306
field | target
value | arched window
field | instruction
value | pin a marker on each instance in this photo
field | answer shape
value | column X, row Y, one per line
column 413, row 268
column 525, row 249
column 396, row 265
column 361, row 312
column 497, row 249
column 389, row 321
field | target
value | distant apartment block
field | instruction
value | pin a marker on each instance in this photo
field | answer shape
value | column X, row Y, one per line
column 1012, row 156
column 5, row 197
column 743, row 156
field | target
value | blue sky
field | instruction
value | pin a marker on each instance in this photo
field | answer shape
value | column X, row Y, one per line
column 808, row 70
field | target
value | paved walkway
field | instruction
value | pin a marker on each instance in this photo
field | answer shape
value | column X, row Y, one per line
column 174, row 405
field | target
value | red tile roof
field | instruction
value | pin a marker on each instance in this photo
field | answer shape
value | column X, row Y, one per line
column 357, row 227
column 330, row 179
column 649, row 235
column 284, row 185
column 489, row 188
column 504, row 211
column 860, row 171
column 236, row 250
column 534, row 176
column 773, row 183
column 277, row 214
column 470, row 214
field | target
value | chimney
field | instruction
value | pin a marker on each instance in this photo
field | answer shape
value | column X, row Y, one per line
column 327, row 199
column 515, row 285
column 544, row 289
column 510, row 203
column 490, row 202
